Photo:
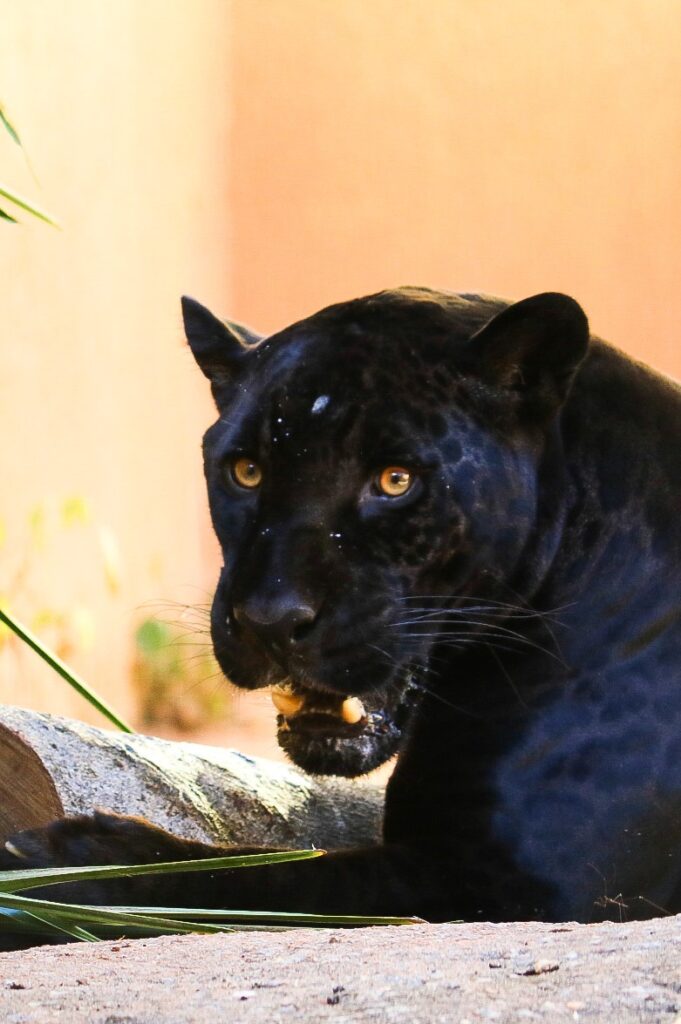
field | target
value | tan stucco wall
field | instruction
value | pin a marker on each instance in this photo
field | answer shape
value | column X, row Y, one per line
column 125, row 110
column 509, row 147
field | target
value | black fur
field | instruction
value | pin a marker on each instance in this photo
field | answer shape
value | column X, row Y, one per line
column 512, row 623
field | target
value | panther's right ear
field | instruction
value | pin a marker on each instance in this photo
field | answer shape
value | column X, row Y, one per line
column 218, row 346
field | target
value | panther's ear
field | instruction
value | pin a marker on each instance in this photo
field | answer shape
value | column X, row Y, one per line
column 218, row 346
column 532, row 348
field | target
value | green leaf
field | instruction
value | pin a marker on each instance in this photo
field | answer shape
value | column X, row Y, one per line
column 73, row 915
column 184, row 919
column 6, row 216
column 70, row 916
column 24, row 204
column 74, row 930
column 21, row 922
column 9, row 126
column 55, row 662
column 282, row 917
column 14, row 881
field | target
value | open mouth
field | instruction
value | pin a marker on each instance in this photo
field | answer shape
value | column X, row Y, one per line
column 308, row 707
column 331, row 734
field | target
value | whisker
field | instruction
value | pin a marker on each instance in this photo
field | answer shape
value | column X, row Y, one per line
column 507, row 676
column 443, row 700
column 442, row 599
column 392, row 660
column 456, row 597
column 455, row 615
column 468, row 622
column 548, row 621
column 482, row 636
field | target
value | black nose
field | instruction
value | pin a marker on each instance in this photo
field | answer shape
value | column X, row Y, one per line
column 281, row 626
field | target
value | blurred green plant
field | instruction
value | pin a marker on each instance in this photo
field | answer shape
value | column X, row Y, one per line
column 174, row 672
column 9, row 194
column 69, row 629
column 9, row 623
column 174, row 687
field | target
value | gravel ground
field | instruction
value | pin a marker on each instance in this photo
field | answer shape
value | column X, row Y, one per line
column 420, row 974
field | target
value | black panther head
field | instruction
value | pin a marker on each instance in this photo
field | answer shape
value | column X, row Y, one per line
column 369, row 464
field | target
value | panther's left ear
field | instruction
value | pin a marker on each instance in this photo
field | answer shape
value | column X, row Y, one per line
column 219, row 347
column 533, row 348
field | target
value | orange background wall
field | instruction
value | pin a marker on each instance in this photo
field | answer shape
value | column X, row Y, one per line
column 269, row 157
column 125, row 110
column 465, row 144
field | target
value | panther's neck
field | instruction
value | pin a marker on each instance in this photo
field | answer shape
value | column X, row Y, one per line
column 610, row 554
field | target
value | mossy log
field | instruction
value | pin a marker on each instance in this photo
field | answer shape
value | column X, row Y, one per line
column 51, row 766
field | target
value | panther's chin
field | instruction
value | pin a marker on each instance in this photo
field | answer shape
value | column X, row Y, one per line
column 326, row 752
column 328, row 734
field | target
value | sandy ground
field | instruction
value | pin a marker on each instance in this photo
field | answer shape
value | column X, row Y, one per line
column 426, row 974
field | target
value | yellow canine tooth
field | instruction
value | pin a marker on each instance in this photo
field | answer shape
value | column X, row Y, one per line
column 352, row 710
column 289, row 704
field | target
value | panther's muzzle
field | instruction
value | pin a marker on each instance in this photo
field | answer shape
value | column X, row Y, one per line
column 331, row 734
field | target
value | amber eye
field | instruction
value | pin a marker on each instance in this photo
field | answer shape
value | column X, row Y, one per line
column 245, row 472
column 394, row 481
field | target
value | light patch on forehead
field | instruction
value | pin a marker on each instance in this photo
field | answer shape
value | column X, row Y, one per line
column 319, row 404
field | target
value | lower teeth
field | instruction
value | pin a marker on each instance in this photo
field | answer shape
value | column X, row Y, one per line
column 290, row 704
column 287, row 703
column 352, row 710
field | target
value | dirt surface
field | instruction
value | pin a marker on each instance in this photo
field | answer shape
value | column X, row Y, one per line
column 420, row 974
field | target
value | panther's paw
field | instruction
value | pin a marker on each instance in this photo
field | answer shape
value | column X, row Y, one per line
column 98, row 838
